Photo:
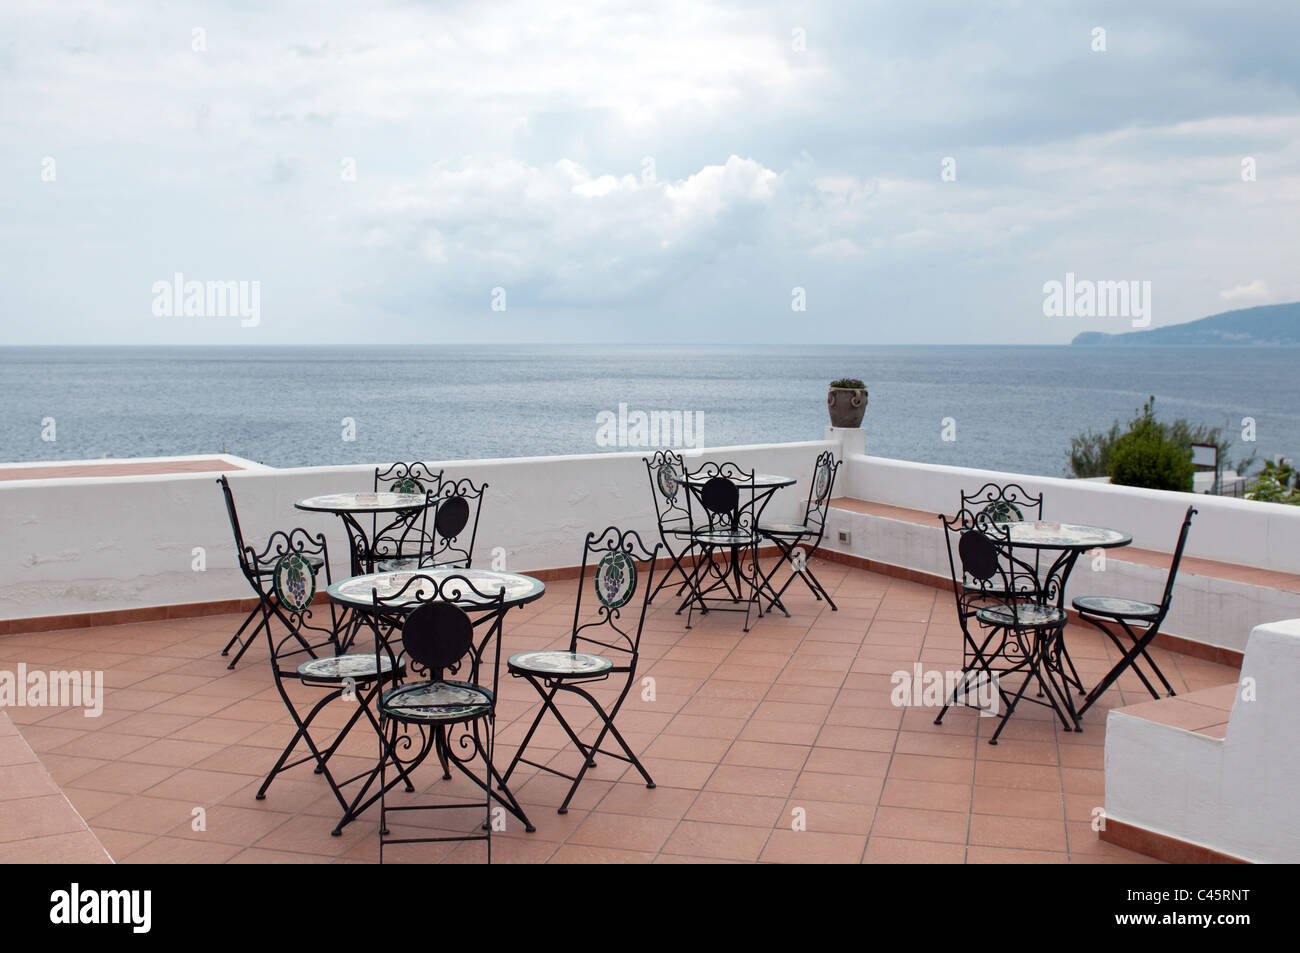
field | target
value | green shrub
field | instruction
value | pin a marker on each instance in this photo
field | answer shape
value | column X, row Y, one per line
column 1148, row 456
column 1277, row 484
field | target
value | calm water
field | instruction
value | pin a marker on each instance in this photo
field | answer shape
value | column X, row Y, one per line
column 1015, row 408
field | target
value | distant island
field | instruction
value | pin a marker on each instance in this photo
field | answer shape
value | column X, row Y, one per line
column 1272, row 325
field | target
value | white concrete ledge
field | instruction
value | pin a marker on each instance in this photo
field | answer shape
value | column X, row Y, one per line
column 1236, row 795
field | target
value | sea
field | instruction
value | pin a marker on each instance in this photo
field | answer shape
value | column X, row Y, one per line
column 1004, row 408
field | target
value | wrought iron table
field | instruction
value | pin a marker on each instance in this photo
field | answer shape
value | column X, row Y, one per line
column 1068, row 541
column 348, row 506
column 358, row 594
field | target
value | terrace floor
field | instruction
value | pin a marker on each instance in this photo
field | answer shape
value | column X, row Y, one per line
column 743, row 729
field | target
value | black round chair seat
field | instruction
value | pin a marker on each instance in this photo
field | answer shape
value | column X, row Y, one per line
column 335, row 668
column 559, row 664
column 1116, row 608
column 1022, row 615
column 440, row 702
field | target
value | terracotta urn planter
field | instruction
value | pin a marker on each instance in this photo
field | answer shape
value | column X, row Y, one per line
column 847, row 402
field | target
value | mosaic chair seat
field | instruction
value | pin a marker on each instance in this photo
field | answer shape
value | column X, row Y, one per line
column 253, row 575
column 444, row 703
column 623, row 565
column 798, row 542
column 1139, row 621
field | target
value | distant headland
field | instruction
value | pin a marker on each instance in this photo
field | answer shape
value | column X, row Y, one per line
column 1273, row 325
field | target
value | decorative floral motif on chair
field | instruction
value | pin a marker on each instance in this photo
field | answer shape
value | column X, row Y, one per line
column 615, row 580
column 822, row 484
column 668, row 481
column 1003, row 511
column 295, row 583
column 407, row 485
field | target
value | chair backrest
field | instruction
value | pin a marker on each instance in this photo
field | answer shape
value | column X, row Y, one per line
column 978, row 563
column 415, row 477
column 437, row 620
column 1168, row 596
column 288, row 583
column 666, row 471
column 820, row 490
column 623, row 564
column 455, row 524
column 407, row 532
column 726, row 495
column 244, row 566
column 1002, row 503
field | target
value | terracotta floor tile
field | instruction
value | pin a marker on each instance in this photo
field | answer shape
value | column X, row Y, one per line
column 887, row 850
column 813, row 847
column 623, row 832
column 725, row 841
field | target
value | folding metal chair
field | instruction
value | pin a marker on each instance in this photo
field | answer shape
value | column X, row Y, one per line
column 791, row 538
column 308, row 654
column 726, row 496
column 252, row 575
column 622, row 560
column 666, row 471
column 1130, row 615
column 1021, row 633
column 402, row 543
column 450, row 706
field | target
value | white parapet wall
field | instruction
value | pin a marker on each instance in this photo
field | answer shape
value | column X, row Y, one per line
column 1209, row 609
column 1242, row 532
column 98, row 544
column 1236, row 794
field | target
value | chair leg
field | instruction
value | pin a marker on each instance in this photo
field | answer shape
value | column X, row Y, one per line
column 240, row 631
column 248, row 642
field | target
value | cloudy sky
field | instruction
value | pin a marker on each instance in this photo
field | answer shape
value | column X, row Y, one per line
column 635, row 172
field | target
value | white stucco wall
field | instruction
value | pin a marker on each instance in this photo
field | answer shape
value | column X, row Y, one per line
column 1266, row 535
column 1237, row 794
column 80, row 545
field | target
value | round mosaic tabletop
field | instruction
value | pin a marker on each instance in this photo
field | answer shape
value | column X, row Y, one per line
column 363, row 502
column 1043, row 535
column 357, row 591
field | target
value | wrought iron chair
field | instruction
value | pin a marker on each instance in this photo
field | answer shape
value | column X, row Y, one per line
column 1130, row 615
column 402, row 543
column 623, row 560
column 455, row 525
column 1021, row 634
column 725, row 495
column 250, row 574
column 307, row 654
column 449, row 708
column 790, row 538
column 666, row 471
column 1011, row 503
